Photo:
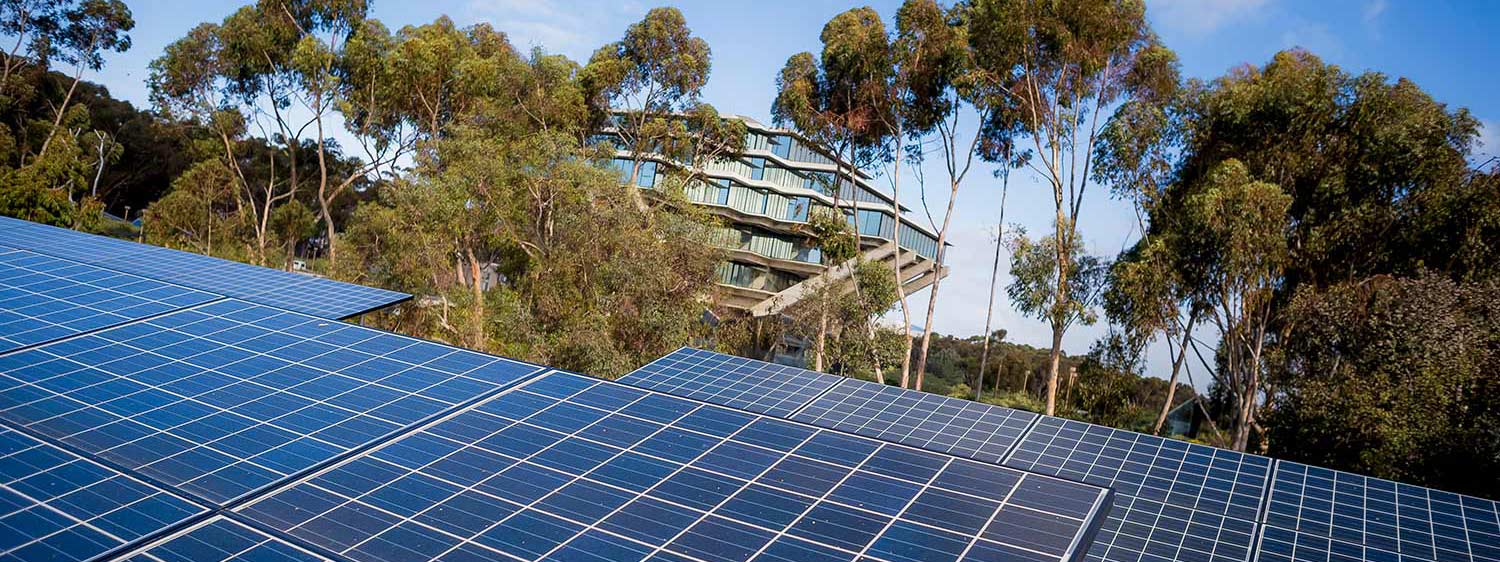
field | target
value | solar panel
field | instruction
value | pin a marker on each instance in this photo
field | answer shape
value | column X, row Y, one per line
column 66, row 244
column 43, row 298
column 564, row 467
column 220, row 539
column 229, row 397
column 1173, row 498
column 929, row 421
column 292, row 291
column 59, row 507
column 726, row 380
column 1321, row 514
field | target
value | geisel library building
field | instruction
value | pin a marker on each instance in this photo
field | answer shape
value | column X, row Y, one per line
column 766, row 195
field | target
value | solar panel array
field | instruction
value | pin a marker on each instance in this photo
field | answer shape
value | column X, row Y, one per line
column 1177, row 500
column 57, row 506
column 936, row 423
column 223, row 399
column 566, row 466
column 726, row 380
column 151, row 416
column 44, row 298
column 1321, row 514
column 292, row 291
column 224, row 539
column 1172, row 500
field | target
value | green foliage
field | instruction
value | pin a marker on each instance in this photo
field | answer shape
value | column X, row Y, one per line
column 1395, row 378
column 1033, row 269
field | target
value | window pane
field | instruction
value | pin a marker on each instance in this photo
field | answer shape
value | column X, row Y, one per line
column 796, row 209
column 647, row 177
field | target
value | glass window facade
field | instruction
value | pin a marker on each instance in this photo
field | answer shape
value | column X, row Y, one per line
column 821, row 182
column 647, row 175
column 873, row 223
column 757, row 168
column 722, row 197
column 797, row 208
column 781, row 145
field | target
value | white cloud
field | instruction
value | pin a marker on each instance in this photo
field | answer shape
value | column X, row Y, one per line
column 1373, row 10
column 575, row 31
column 1201, row 17
column 1371, row 17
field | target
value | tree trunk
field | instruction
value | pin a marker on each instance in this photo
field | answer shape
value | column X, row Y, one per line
column 989, row 311
column 900, row 279
column 937, row 283
column 325, row 200
column 1053, row 363
column 477, row 286
column 1166, row 406
column 61, row 110
column 635, row 191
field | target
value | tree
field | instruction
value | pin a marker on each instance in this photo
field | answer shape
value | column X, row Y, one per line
column 1240, row 227
column 85, row 32
column 197, row 212
column 1034, row 281
column 1394, row 378
column 838, row 99
column 510, row 193
column 654, row 72
column 1374, row 173
column 292, row 223
column 1050, row 72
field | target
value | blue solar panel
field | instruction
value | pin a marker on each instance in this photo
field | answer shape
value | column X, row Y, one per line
column 936, row 423
column 43, row 298
column 1321, row 514
column 565, row 467
column 726, row 380
column 292, row 291
column 229, row 397
column 220, row 539
column 1172, row 498
column 56, row 506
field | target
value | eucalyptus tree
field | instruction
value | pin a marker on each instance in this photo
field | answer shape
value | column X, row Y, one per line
column 82, row 33
column 840, row 99
column 1050, row 73
column 656, row 71
column 34, row 25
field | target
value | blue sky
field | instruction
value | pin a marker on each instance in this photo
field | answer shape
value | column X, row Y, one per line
column 1447, row 47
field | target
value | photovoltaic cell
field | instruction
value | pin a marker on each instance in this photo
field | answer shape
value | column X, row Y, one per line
column 292, row 291
column 229, row 397
column 1321, row 514
column 220, row 539
column 726, row 380
column 43, row 298
column 56, row 506
column 1175, row 499
column 929, row 421
column 565, row 467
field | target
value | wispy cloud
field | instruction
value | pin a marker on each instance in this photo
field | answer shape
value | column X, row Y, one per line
column 1371, row 16
column 1201, row 17
column 575, row 30
column 1315, row 37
